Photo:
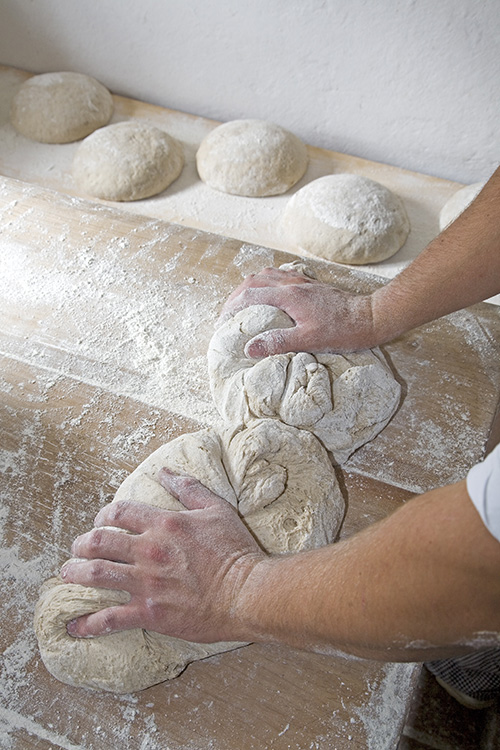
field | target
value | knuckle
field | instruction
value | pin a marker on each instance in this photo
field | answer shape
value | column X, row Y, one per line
column 153, row 606
column 96, row 570
column 116, row 512
column 170, row 523
column 302, row 289
column 157, row 553
column 94, row 540
column 108, row 620
column 248, row 294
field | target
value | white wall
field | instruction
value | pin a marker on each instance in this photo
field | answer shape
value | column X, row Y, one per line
column 415, row 83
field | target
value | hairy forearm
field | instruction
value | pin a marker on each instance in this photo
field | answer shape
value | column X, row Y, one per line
column 422, row 584
column 457, row 269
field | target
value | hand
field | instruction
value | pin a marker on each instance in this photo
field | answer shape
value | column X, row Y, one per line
column 183, row 569
column 326, row 319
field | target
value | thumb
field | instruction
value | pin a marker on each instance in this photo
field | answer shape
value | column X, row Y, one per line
column 277, row 341
column 188, row 490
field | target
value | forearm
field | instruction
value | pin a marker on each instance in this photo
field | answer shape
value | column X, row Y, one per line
column 457, row 269
column 419, row 585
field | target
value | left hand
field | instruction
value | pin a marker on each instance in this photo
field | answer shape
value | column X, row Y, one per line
column 183, row 569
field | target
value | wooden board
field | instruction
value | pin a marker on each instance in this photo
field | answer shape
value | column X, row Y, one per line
column 190, row 202
column 105, row 319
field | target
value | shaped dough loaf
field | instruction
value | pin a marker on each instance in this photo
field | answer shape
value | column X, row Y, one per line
column 127, row 161
column 251, row 157
column 60, row 107
column 458, row 202
column 346, row 218
column 345, row 400
column 283, row 484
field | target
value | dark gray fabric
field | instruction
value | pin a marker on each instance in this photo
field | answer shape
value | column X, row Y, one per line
column 477, row 674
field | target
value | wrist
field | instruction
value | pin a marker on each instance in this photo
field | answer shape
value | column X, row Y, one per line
column 367, row 315
column 250, row 613
column 241, row 596
column 386, row 318
column 361, row 331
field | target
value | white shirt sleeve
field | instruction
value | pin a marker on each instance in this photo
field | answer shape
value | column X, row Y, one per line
column 483, row 486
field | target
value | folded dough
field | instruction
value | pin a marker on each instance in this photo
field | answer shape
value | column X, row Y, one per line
column 284, row 486
column 345, row 400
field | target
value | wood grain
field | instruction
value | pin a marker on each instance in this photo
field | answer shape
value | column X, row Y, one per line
column 79, row 410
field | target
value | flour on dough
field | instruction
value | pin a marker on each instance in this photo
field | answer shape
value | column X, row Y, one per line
column 60, row 107
column 127, row 161
column 346, row 218
column 251, row 157
column 345, row 400
column 458, row 203
column 284, row 486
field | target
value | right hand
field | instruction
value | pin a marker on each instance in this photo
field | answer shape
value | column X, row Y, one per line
column 326, row 319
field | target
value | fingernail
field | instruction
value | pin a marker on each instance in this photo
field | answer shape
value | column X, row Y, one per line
column 71, row 628
column 166, row 473
column 255, row 349
column 64, row 572
column 167, row 477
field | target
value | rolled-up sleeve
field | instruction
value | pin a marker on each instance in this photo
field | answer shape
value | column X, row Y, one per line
column 483, row 486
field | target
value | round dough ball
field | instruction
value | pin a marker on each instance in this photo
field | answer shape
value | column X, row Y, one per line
column 458, row 203
column 284, row 486
column 346, row 218
column 344, row 400
column 127, row 161
column 252, row 158
column 60, row 107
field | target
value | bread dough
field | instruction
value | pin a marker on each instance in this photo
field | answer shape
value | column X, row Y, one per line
column 346, row 218
column 458, row 203
column 60, row 107
column 252, row 158
column 284, row 486
column 345, row 400
column 127, row 161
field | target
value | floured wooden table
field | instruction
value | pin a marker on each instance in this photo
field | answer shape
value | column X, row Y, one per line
column 105, row 322
column 105, row 319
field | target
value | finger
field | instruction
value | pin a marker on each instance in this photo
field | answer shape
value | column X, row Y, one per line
column 269, row 278
column 277, row 341
column 105, row 543
column 101, row 574
column 266, row 277
column 134, row 517
column 249, row 284
column 191, row 493
column 277, row 276
column 104, row 622
column 264, row 295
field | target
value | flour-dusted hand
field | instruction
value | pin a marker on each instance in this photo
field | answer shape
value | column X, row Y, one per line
column 326, row 319
column 183, row 569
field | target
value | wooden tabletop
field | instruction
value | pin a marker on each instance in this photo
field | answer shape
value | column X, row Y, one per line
column 104, row 324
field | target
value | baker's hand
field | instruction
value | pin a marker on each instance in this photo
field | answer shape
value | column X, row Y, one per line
column 326, row 319
column 183, row 569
